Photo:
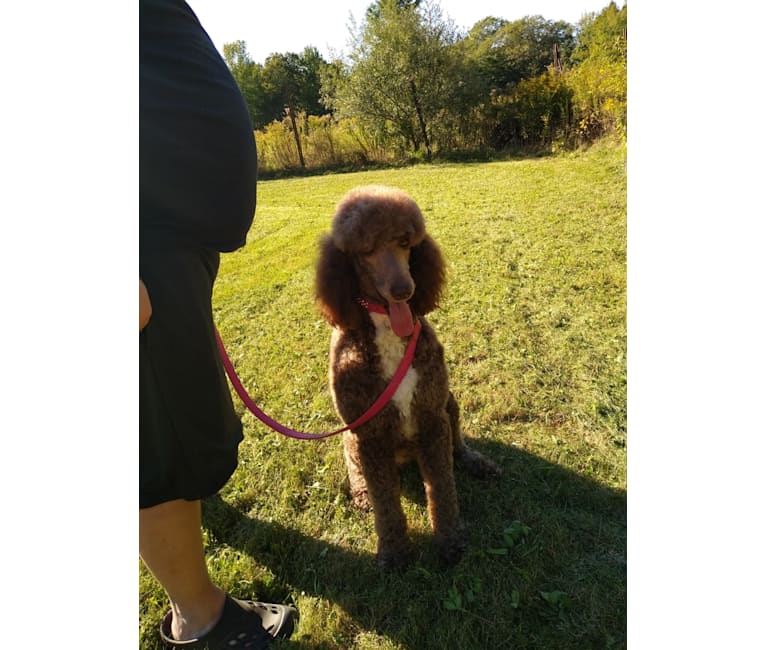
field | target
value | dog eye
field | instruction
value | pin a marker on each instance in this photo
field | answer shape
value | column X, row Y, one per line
column 404, row 242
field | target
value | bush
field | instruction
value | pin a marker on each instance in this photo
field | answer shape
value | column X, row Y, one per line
column 327, row 143
column 542, row 108
column 276, row 147
column 600, row 95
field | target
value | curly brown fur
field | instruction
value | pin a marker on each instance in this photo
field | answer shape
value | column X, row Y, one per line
column 379, row 250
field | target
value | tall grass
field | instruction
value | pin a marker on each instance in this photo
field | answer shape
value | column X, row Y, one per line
column 327, row 143
column 534, row 329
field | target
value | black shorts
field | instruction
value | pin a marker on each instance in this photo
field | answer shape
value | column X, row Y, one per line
column 189, row 431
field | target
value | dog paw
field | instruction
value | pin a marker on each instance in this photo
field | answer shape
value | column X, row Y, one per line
column 451, row 547
column 477, row 464
column 361, row 501
column 391, row 557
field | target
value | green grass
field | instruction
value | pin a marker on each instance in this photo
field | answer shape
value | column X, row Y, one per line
column 534, row 327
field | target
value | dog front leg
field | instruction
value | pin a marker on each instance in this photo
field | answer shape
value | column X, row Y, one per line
column 356, row 480
column 378, row 464
column 435, row 461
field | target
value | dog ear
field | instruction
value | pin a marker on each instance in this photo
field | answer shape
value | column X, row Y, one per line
column 428, row 271
column 336, row 286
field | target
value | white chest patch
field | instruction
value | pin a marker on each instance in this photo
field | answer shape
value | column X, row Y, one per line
column 391, row 349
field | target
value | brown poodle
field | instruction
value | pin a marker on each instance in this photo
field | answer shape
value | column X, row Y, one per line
column 379, row 252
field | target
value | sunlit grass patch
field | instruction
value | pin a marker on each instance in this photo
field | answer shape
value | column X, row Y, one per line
column 533, row 325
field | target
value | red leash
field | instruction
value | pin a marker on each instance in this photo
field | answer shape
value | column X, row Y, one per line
column 379, row 403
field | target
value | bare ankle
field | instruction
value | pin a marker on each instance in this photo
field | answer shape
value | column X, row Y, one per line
column 195, row 620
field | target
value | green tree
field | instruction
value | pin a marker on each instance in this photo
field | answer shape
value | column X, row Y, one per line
column 507, row 52
column 295, row 81
column 309, row 94
column 281, row 74
column 600, row 80
column 604, row 35
column 246, row 74
column 264, row 106
column 375, row 10
column 285, row 80
column 399, row 78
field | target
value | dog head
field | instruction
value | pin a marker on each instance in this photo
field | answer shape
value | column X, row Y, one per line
column 378, row 249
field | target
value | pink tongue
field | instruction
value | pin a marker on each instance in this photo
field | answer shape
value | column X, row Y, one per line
column 401, row 318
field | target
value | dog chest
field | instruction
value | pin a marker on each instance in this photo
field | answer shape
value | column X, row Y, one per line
column 391, row 350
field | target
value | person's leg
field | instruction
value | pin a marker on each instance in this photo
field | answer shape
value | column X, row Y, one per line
column 170, row 545
column 201, row 614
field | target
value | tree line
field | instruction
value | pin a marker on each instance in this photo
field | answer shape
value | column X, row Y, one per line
column 415, row 87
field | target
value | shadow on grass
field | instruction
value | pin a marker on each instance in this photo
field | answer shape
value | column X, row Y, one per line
column 575, row 549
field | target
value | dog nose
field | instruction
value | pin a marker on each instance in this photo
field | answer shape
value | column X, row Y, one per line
column 402, row 291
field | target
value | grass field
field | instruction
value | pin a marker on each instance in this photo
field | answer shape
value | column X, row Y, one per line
column 534, row 328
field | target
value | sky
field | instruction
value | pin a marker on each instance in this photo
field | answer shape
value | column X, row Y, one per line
column 269, row 27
